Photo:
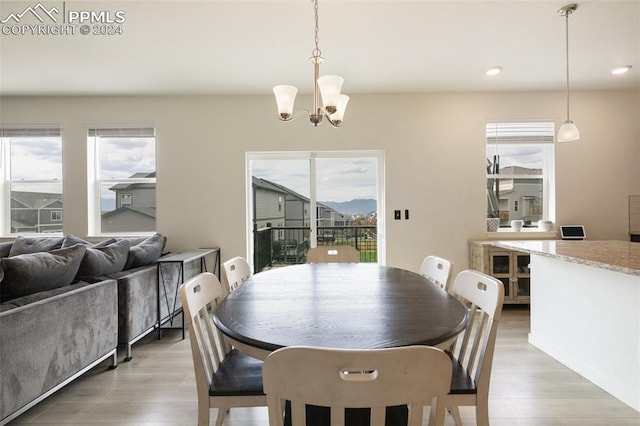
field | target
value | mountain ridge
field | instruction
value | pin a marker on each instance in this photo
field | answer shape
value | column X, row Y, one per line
column 359, row 206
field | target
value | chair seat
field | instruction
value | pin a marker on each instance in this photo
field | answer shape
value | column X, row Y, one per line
column 238, row 374
column 461, row 382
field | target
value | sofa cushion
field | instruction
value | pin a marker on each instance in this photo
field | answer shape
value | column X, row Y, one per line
column 5, row 248
column 104, row 260
column 71, row 240
column 34, row 272
column 26, row 245
column 100, row 259
column 146, row 252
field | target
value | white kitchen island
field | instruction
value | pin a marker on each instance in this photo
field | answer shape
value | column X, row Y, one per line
column 585, row 309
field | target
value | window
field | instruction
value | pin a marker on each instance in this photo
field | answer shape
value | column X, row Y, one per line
column 56, row 216
column 329, row 197
column 126, row 199
column 520, row 172
column 31, row 161
column 122, row 180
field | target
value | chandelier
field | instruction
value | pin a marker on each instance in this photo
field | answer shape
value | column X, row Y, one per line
column 568, row 132
column 327, row 87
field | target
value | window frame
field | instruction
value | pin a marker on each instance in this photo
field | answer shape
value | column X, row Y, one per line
column 545, row 139
column 311, row 156
column 130, row 201
column 7, row 132
column 95, row 183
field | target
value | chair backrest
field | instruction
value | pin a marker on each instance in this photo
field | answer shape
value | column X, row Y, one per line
column 331, row 254
column 438, row 270
column 200, row 296
column 341, row 378
column 236, row 271
column 484, row 295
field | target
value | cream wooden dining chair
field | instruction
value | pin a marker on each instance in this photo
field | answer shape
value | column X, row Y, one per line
column 333, row 254
column 416, row 376
column 225, row 377
column 473, row 359
column 438, row 270
column 236, row 271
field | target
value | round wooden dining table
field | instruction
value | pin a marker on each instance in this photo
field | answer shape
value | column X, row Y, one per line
column 338, row 305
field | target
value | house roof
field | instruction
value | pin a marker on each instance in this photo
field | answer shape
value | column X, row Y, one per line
column 36, row 200
column 145, row 211
column 136, row 185
column 265, row 184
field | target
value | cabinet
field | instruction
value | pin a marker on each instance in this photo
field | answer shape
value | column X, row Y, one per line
column 509, row 266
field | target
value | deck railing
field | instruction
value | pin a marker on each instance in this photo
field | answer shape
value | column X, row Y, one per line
column 289, row 245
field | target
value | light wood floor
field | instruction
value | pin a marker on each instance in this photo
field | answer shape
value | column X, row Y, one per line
column 158, row 388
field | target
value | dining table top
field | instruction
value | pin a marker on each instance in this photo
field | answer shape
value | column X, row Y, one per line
column 338, row 305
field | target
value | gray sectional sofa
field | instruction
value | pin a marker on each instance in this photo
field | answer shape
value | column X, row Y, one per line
column 49, row 338
column 65, row 304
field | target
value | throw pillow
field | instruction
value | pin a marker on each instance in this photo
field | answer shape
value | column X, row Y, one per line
column 5, row 248
column 146, row 252
column 105, row 243
column 34, row 272
column 71, row 240
column 26, row 245
column 104, row 259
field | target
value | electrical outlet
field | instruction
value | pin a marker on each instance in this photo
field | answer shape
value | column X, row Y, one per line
column 406, row 214
column 397, row 214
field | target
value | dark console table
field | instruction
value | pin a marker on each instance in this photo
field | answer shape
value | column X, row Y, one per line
column 181, row 259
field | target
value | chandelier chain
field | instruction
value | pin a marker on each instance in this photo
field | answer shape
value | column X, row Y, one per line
column 316, row 52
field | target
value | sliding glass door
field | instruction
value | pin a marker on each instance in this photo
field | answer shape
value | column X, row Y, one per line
column 298, row 200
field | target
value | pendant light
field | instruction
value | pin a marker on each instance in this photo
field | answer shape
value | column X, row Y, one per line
column 568, row 131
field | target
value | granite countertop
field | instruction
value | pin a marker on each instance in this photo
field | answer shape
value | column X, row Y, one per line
column 619, row 256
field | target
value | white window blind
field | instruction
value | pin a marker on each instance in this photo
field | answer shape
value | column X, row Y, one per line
column 37, row 131
column 123, row 132
column 520, row 132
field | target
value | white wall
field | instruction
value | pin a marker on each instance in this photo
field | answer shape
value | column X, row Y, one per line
column 435, row 159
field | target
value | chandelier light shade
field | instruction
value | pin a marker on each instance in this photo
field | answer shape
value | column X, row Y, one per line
column 568, row 132
column 327, row 99
column 285, row 98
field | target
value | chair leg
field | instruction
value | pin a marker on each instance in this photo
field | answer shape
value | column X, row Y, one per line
column 221, row 413
column 482, row 414
column 455, row 413
column 203, row 413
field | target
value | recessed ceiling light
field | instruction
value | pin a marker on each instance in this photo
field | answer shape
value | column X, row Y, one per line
column 493, row 71
column 621, row 70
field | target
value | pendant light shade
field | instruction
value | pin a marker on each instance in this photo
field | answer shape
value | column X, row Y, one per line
column 568, row 131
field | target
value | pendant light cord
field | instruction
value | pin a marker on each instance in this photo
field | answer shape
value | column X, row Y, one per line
column 567, row 56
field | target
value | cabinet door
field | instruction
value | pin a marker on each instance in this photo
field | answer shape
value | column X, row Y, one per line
column 500, row 267
column 521, row 275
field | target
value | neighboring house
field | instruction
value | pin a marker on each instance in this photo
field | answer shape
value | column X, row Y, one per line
column 268, row 204
column 36, row 212
column 296, row 207
column 129, row 219
column 520, row 198
column 135, row 207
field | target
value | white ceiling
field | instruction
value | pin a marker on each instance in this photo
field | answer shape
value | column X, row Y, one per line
column 247, row 47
